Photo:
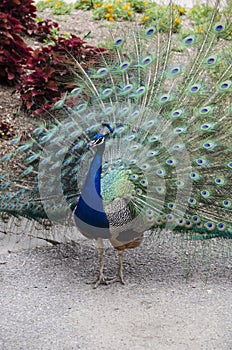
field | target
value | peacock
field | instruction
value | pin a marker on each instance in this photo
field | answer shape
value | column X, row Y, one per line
column 143, row 142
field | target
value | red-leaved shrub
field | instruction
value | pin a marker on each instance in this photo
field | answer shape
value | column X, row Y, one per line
column 53, row 71
column 6, row 130
column 14, row 53
column 44, row 29
column 23, row 10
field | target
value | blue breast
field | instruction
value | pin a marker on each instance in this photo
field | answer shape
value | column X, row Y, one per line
column 89, row 214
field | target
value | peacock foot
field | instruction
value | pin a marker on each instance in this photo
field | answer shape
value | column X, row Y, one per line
column 106, row 281
column 101, row 280
column 109, row 281
column 117, row 279
column 121, row 279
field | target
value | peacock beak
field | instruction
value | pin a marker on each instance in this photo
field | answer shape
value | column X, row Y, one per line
column 90, row 144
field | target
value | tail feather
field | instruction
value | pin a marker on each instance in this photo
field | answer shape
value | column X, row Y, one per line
column 168, row 101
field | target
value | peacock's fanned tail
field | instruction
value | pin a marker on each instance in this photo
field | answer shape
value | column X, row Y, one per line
column 167, row 100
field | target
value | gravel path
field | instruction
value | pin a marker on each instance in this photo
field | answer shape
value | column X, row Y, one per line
column 177, row 296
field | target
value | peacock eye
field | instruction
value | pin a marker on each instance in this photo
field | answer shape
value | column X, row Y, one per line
column 100, row 140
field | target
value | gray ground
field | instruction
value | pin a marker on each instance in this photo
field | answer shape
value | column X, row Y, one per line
column 177, row 296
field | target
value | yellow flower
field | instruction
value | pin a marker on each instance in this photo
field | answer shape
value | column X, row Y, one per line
column 111, row 18
column 127, row 6
column 174, row 7
column 146, row 3
column 96, row 5
column 130, row 13
column 200, row 30
column 143, row 19
column 119, row 0
column 177, row 21
column 107, row 15
column 180, row 10
column 109, row 6
column 110, row 10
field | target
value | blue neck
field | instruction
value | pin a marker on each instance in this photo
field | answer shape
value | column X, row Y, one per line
column 89, row 214
column 91, row 192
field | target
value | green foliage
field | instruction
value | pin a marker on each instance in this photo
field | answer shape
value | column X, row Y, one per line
column 159, row 16
column 200, row 16
column 84, row 4
column 58, row 7
column 139, row 5
column 227, row 14
column 151, row 13
column 228, row 9
column 114, row 11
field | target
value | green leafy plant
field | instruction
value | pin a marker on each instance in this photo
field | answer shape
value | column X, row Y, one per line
column 45, row 29
column 117, row 5
column 159, row 16
column 85, row 5
column 58, row 7
column 140, row 5
column 202, row 15
column 114, row 11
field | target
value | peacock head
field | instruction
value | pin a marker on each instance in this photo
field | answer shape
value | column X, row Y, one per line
column 98, row 141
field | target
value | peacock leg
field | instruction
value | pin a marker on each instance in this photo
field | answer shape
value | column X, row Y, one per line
column 119, row 277
column 120, row 270
column 100, row 248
